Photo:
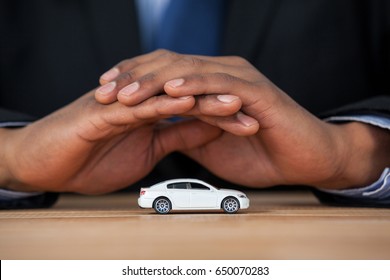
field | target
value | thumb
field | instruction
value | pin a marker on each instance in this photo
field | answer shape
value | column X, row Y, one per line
column 182, row 136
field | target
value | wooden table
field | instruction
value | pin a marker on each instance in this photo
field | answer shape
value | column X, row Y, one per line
column 278, row 225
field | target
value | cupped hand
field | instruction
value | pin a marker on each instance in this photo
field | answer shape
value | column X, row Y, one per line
column 91, row 148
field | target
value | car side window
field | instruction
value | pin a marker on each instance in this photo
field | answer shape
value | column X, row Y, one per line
column 197, row 186
column 177, row 186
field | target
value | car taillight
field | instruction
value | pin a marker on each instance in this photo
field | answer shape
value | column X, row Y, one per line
column 142, row 192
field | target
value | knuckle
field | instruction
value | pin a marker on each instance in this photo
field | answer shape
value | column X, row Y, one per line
column 202, row 78
column 121, row 65
column 191, row 61
column 239, row 60
column 161, row 51
column 148, row 80
column 127, row 76
column 150, row 77
column 170, row 55
column 226, row 78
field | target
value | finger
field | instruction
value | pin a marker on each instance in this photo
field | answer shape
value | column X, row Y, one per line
column 106, row 94
column 128, row 64
column 129, row 71
column 256, row 98
column 157, row 107
column 238, row 124
column 215, row 105
column 101, row 121
column 223, row 111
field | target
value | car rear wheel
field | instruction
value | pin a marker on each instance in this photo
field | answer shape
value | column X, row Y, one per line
column 162, row 205
column 230, row 205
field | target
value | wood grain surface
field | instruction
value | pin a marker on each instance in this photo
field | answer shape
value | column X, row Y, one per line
column 278, row 225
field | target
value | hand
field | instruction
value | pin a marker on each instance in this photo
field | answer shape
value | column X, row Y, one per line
column 91, row 148
column 291, row 147
column 219, row 110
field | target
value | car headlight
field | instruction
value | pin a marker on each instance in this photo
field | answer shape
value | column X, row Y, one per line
column 242, row 195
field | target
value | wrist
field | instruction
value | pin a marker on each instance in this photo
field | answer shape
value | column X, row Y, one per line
column 5, row 176
column 363, row 153
column 8, row 157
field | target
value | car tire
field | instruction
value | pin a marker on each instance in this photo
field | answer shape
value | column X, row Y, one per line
column 230, row 205
column 162, row 205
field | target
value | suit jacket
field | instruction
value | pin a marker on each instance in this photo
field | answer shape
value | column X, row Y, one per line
column 325, row 54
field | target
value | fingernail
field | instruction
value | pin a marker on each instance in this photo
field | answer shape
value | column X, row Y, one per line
column 107, row 88
column 227, row 98
column 175, row 83
column 245, row 120
column 110, row 74
column 184, row 97
column 130, row 89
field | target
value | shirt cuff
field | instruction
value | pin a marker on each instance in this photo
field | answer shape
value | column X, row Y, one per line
column 379, row 190
column 6, row 195
column 13, row 124
column 381, row 122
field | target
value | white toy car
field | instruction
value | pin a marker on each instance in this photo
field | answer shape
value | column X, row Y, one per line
column 190, row 194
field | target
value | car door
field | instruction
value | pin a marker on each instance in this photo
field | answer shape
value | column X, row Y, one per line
column 179, row 194
column 203, row 196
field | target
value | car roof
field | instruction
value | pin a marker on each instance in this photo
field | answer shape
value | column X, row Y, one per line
column 189, row 180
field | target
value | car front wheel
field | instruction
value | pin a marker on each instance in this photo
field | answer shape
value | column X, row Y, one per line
column 230, row 205
column 162, row 205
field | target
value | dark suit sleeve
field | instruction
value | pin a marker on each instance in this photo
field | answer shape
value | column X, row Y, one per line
column 44, row 200
column 10, row 118
column 339, row 200
column 377, row 106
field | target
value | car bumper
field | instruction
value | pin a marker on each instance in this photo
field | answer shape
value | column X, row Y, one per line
column 244, row 203
column 145, row 202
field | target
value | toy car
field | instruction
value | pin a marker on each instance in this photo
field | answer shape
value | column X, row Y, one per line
column 190, row 194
